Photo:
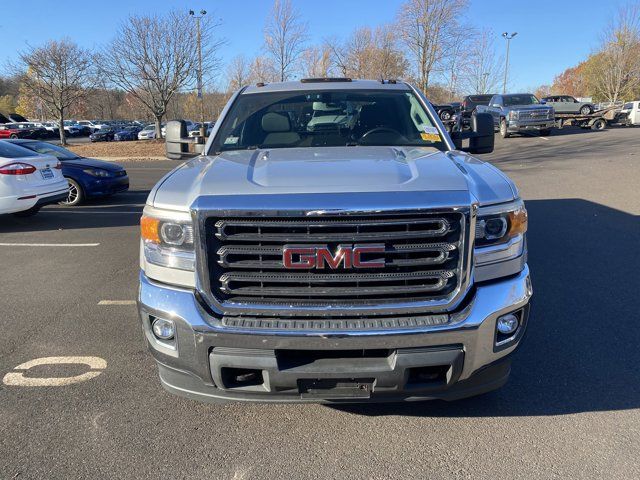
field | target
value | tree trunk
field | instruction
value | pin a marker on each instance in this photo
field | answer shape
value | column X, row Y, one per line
column 63, row 139
column 158, row 126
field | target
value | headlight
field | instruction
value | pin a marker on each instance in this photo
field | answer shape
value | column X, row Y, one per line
column 500, row 237
column 168, row 243
column 499, row 223
column 513, row 115
column 98, row 172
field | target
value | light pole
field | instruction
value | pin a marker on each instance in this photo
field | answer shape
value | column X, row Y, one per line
column 203, row 129
column 508, row 38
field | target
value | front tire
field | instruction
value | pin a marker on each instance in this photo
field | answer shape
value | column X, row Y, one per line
column 504, row 131
column 76, row 195
column 585, row 110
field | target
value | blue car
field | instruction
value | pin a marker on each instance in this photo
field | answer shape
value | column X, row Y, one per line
column 128, row 133
column 88, row 178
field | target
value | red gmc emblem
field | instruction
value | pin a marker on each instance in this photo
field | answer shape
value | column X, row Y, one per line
column 319, row 256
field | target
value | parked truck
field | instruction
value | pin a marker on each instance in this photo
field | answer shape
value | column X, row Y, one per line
column 374, row 259
column 519, row 112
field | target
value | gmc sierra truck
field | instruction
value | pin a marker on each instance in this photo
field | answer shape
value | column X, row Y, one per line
column 519, row 112
column 332, row 243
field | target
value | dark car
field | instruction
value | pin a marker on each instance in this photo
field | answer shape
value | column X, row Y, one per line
column 103, row 135
column 88, row 178
column 445, row 112
column 127, row 133
column 470, row 102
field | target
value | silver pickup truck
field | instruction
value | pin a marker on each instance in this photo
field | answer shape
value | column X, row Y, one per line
column 365, row 257
column 519, row 112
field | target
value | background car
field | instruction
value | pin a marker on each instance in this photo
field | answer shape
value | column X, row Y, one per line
column 103, row 135
column 11, row 130
column 87, row 177
column 28, row 180
column 445, row 112
column 127, row 133
column 147, row 133
column 470, row 102
column 568, row 104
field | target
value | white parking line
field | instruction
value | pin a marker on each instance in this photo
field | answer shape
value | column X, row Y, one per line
column 49, row 244
column 117, row 302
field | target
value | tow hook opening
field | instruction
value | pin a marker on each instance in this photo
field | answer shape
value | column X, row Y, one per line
column 241, row 377
column 434, row 375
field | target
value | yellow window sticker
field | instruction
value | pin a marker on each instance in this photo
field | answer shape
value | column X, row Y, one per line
column 430, row 134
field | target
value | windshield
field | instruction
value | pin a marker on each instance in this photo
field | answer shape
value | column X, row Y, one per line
column 511, row 100
column 49, row 149
column 9, row 150
column 327, row 118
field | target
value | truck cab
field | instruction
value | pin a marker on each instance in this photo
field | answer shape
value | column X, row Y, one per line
column 295, row 258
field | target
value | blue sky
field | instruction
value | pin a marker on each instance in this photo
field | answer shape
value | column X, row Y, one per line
column 552, row 35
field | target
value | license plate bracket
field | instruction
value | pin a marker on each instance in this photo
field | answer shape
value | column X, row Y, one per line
column 46, row 173
column 336, row 388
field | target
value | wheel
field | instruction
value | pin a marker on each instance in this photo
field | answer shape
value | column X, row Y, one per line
column 585, row 110
column 445, row 115
column 27, row 213
column 76, row 195
column 599, row 124
column 504, row 132
column 545, row 132
column 13, row 135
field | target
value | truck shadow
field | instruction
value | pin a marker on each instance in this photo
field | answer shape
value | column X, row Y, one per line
column 581, row 351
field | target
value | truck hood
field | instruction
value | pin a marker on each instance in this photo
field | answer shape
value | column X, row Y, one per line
column 329, row 171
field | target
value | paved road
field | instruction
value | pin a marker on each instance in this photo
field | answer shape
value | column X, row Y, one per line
column 570, row 410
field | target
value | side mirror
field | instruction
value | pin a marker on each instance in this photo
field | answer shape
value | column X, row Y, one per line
column 177, row 141
column 481, row 137
column 543, row 102
column 484, row 138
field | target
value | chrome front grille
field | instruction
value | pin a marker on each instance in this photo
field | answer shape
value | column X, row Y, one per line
column 423, row 257
column 535, row 114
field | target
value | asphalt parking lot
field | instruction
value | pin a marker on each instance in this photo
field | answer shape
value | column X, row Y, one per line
column 570, row 410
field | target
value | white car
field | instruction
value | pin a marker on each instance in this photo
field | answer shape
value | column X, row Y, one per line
column 93, row 126
column 29, row 181
column 147, row 133
column 631, row 113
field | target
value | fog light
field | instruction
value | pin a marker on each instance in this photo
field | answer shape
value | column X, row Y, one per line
column 507, row 324
column 163, row 329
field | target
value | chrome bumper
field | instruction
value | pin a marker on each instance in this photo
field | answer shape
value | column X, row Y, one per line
column 517, row 125
column 188, row 366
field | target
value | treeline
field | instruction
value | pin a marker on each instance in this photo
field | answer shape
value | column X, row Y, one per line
column 612, row 72
column 149, row 69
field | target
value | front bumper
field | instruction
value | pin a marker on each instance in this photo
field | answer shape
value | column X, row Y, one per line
column 105, row 186
column 447, row 361
column 518, row 126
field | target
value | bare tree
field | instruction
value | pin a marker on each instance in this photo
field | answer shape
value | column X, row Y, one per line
column 238, row 73
column 616, row 68
column 369, row 54
column 58, row 74
column 285, row 35
column 262, row 70
column 425, row 28
column 152, row 58
column 316, row 62
column 482, row 68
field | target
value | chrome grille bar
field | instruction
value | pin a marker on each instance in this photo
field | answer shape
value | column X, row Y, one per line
column 423, row 256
